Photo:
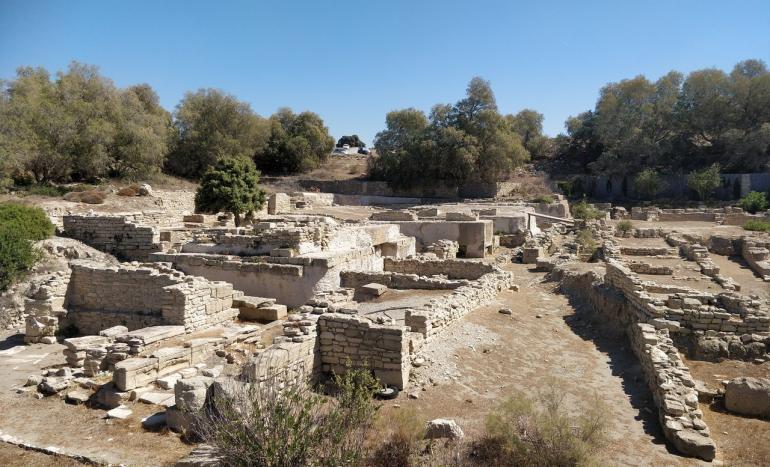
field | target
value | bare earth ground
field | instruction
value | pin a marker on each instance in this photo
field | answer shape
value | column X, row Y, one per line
column 742, row 440
column 14, row 456
column 488, row 356
column 74, row 429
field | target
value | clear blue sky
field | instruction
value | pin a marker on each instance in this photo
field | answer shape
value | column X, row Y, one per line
column 352, row 62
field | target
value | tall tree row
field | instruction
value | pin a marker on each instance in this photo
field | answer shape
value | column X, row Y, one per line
column 677, row 123
column 78, row 126
column 455, row 144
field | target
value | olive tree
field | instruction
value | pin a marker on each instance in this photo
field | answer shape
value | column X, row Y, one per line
column 704, row 181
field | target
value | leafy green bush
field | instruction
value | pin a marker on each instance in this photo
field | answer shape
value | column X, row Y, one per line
column 566, row 187
column 757, row 225
column 704, row 181
column 586, row 241
column 548, row 199
column 648, row 183
column 753, row 202
column 19, row 227
column 17, row 255
column 260, row 424
column 624, row 226
column 583, row 210
column 526, row 432
column 31, row 223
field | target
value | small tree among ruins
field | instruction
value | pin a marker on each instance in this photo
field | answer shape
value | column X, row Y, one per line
column 704, row 181
column 230, row 186
column 648, row 183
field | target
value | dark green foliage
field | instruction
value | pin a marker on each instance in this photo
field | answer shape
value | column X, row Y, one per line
column 704, row 181
column 230, row 186
column 548, row 199
column 757, row 225
column 79, row 126
column 17, row 256
column 353, row 141
column 296, row 143
column 583, row 210
column 753, row 202
column 31, row 223
column 566, row 187
column 648, row 183
column 677, row 123
column 19, row 227
column 467, row 141
column 212, row 125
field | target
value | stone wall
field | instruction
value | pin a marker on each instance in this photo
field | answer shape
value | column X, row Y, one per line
column 136, row 297
column 114, row 234
column 442, row 312
column 384, row 349
column 395, row 280
column 292, row 281
column 668, row 378
column 474, row 237
column 687, row 311
column 453, row 269
column 673, row 390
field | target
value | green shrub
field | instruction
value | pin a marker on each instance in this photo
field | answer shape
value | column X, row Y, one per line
column 548, row 199
column 31, row 223
column 583, row 210
column 586, row 241
column 704, row 181
column 757, row 225
column 17, row 255
column 230, row 186
column 753, row 202
column 648, row 183
column 566, row 187
column 526, row 432
column 262, row 424
column 624, row 226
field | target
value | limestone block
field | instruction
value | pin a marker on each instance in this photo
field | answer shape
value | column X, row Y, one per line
column 748, row 396
column 443, row 428
column 374, row 289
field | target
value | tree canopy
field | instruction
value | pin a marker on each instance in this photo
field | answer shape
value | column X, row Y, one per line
column 296, row 143
column 677, row 123
column 353, row 141
column 211, row 125
column 79, row 126
column 230, row 186
column 467, row 141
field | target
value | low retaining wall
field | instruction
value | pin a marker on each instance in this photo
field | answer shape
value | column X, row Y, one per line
column 116, row 235
column 358, row 341
column 395, row 280
column 453, row 269
column 444, row 311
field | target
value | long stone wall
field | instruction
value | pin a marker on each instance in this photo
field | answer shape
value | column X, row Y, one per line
column 668, row 378
column 444, row 311
column 687, row 311
column 291, row 281
column 395, row 280
column 672, row 388
column 453, row 269
column 114, row 234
